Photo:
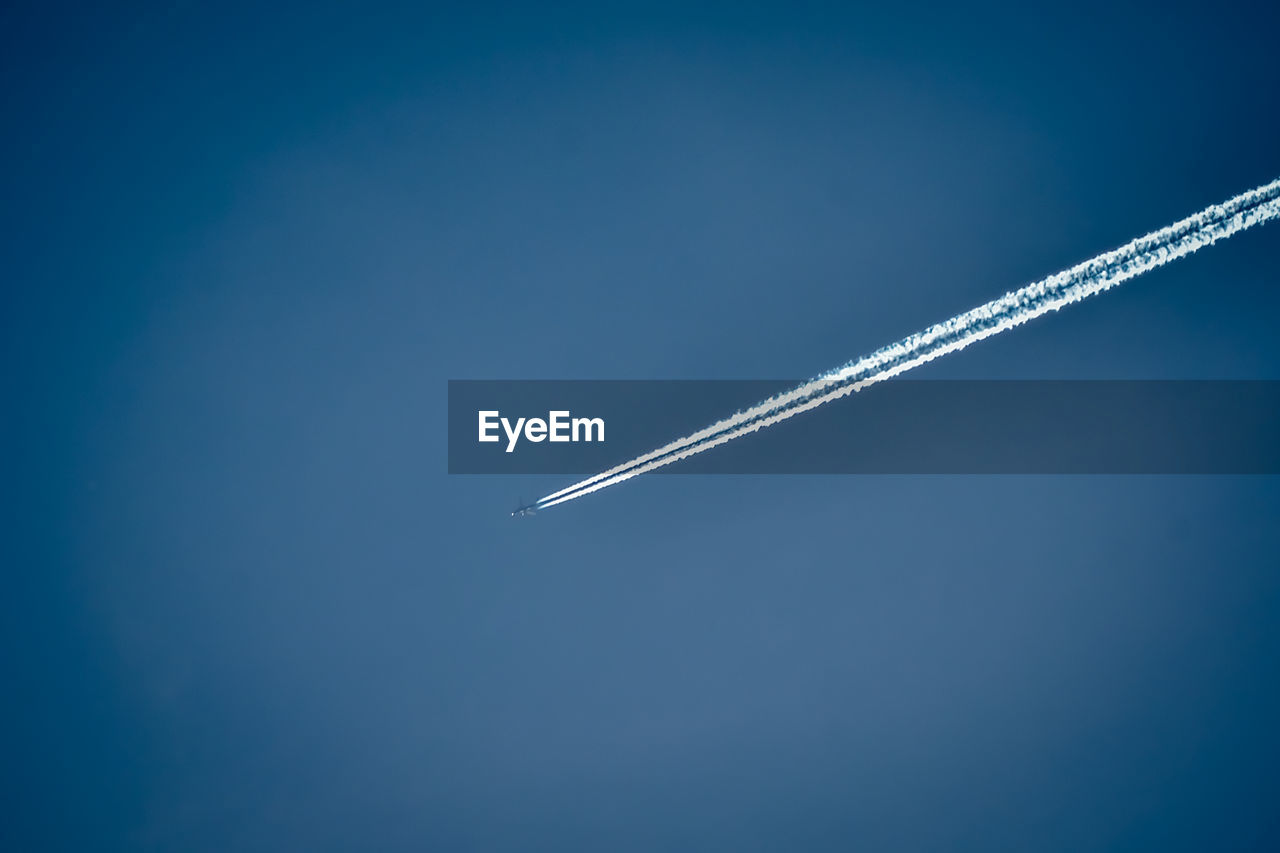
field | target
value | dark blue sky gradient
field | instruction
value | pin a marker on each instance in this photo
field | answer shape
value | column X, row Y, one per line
column 244, row 249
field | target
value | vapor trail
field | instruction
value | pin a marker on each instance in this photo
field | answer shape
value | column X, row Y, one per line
column 1205, row 228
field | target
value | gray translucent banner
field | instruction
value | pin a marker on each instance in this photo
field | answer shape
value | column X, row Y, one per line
column 902, row 427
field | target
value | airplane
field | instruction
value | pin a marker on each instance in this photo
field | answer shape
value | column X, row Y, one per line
column 521, row 511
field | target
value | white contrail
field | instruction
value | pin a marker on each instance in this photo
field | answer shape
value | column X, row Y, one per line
column 1205, row 228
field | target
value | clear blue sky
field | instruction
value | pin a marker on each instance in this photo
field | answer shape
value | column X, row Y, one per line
column 245, row 247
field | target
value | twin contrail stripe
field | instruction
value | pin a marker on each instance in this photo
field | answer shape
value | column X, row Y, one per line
column 1205, row 228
